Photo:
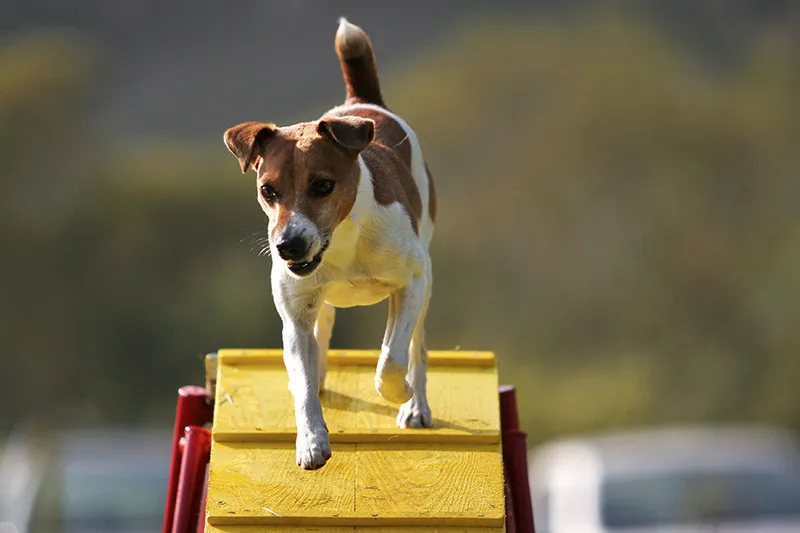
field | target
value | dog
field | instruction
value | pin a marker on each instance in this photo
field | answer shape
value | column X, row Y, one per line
column 351, row 206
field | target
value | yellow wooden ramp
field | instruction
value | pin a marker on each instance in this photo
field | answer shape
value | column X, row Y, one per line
column 380, row 478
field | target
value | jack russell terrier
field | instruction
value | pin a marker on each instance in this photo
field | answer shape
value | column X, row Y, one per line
column 351, row 206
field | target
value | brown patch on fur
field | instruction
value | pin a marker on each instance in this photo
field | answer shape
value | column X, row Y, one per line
column 246, row 142
column 352, row 134
column 389, row 160
column 431, row 194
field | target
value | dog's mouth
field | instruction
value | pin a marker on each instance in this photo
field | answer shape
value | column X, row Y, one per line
column 304, row 268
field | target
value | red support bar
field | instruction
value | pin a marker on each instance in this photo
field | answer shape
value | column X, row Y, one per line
column 511, row 521
column 196, row 448
column 515, row 457
column 192, row 410
column 201, row 516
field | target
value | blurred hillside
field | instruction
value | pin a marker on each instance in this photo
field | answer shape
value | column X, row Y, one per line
column 618, row 198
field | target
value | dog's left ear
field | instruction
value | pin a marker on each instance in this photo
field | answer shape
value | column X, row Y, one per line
column 351, row 134
column 247, row 141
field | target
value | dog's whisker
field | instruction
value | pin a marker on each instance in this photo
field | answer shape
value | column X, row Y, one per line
column 259, row 243
column 256, row 236
column 259, row 246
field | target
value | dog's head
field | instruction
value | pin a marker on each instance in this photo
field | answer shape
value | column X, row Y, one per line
column 307, row 180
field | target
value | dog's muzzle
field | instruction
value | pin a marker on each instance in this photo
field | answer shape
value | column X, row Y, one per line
column 301, row 267
column 293, row 249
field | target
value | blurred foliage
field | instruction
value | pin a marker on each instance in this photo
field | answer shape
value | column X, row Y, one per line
column 618, row 220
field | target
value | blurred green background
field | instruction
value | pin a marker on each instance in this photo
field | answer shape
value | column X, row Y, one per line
column 618, row 192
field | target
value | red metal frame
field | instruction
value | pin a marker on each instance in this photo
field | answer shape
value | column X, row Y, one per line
column 196, row 450
column 190, row 442
column 201, row 522
column 184, row 510
column 519, row 509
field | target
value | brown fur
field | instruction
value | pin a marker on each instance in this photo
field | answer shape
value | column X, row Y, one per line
column 246, row 141
column 389, row 161
column 289, row 160
column 359, row 69
column 431, row 194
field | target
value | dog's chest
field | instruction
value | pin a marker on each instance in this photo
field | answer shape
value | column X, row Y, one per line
column 357, row 292
column 370, row 259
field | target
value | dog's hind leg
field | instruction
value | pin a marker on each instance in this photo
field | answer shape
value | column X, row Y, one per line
column 416, row 413
column 405, row 307
column 323, row 329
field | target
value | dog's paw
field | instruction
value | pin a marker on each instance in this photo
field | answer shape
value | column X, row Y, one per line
column 313, row 449
column 390, row 381
column 414, row 414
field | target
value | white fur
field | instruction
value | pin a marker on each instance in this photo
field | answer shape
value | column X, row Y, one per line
column 348, row 33
column 374, row 254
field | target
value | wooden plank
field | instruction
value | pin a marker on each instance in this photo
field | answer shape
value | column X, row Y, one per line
column 393, row 436
column 252, row 398
column 252, row 482
column 309, row 519
column 362, row 485
column 449, row 485
column 426, row 529
column 364, row 529
column 229, row 528
column 254, row 404
column 464, row 402
column 212, row 369
column 254, row 356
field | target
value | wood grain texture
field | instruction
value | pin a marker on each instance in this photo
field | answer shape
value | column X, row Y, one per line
column 363, row 529
column 354, row 436
column 427, row 529
column 357, row 357
column 230, row 528
column 460, row 485
column 363, row 485
column 253, row 397
column 253, row 403
column 250, row 482
column 462, row 400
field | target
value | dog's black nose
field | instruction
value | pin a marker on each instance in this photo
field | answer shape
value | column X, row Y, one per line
column 292, row 249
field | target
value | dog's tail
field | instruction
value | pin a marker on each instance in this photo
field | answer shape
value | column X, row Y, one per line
column 358, row 65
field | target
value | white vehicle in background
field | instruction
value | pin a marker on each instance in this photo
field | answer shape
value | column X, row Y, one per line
column 742, row 479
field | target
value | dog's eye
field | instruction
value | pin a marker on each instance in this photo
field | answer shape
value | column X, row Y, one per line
column 321, row 188
column 268, row 193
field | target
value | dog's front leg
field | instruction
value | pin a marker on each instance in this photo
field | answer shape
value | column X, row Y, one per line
column 298, row 310
column 323, row 329
column 405, row 307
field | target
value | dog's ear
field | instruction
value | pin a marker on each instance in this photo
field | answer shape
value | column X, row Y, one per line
column 246, row 141
column 352, row 134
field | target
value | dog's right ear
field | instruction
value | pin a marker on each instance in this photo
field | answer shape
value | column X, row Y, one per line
column 246, row 141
